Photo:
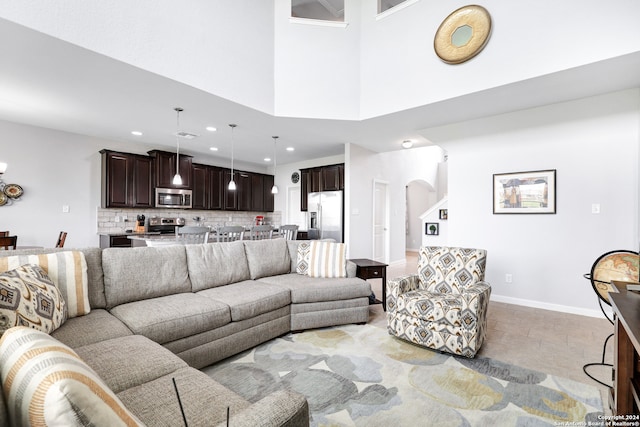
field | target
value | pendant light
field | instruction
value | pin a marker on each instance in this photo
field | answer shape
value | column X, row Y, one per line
column 232, row 183
column 274, row 189
column 177, row 179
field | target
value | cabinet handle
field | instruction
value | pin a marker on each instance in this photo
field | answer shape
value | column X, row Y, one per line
column 376, row 273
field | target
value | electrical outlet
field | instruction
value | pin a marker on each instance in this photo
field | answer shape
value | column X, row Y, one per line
column 65, row 208
column 508, row 278
column 117, row 218
column 595, row 208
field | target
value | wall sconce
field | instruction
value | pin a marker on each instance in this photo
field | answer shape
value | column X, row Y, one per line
column 8, row 192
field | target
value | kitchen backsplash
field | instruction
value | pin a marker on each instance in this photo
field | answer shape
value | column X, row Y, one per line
column 112, row 221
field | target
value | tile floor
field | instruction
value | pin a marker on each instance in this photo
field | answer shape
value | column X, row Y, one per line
column 543, row 340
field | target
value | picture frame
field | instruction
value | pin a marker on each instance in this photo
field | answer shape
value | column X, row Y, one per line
column 531, row 192
column 444, row 214
column 431, row 228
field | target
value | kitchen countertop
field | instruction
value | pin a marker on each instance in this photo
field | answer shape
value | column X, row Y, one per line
column 124, row 233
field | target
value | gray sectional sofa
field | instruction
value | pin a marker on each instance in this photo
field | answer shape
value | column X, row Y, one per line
column 163, row 312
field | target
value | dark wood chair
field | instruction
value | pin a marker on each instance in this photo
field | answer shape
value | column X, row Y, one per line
column 4, row 234
column 61, row 238
column 7, row 242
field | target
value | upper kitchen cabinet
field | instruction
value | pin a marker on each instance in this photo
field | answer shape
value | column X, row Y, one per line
column 243, row 182
column 332, row 178
column 201, row 187
column 165, row 169
column 261, row 198
column 126, row 180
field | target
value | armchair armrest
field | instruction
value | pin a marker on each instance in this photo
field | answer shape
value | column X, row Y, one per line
column 477, row 296
column 281, row 408
column 399, row 286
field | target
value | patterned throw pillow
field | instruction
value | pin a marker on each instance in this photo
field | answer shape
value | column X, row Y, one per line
column 29, row 298
column 67, row 269
column 302, row 266
column 327, row 259
column 46, row 383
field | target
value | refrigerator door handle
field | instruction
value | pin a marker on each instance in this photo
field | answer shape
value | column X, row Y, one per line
column 320, row 220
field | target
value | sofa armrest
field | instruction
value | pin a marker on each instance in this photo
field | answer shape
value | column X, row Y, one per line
column 398, row 286
column 281, row 408
column 352, row 269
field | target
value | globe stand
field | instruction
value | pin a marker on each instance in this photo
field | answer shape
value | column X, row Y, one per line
column 606, row 341
column 601, row 288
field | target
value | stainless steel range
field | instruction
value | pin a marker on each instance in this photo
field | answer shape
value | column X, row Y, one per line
column 166, row 225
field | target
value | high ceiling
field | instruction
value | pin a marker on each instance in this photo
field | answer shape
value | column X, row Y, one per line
column 50, row 83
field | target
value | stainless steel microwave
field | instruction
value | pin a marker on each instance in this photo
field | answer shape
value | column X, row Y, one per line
column 173, row 198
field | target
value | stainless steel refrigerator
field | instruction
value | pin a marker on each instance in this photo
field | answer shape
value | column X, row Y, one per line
column 325, row 215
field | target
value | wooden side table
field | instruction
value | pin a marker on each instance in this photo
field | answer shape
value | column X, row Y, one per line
column 370, row 269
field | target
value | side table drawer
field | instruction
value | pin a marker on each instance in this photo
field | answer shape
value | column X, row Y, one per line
column 370, row 272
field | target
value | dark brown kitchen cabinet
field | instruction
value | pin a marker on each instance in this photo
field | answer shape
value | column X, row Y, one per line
column 305, row 188
column 332, row 178
column 126, row 180
column 268, row 196
column 165, row 169
column 230, row 196
column 243, row 181
column 201, row 190
column 257, row 192
column 315, row 175
column 216, row 188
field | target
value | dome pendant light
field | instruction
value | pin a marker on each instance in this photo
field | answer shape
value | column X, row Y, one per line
column 274, row 189
column 232, row 183
column 177, row 179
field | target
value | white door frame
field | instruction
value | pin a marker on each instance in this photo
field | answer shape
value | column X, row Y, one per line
column 386, row 227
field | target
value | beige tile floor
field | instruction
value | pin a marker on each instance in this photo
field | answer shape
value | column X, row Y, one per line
column 548, row 341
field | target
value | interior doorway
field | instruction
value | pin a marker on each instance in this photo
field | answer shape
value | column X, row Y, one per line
column 381, row 221
column 420, row 196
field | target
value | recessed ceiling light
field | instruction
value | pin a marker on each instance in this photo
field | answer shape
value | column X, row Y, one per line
column 211, row 128
column 267, row 159
column 136, row 133
column 290, row 149
column 213, row 148
column 407, row 143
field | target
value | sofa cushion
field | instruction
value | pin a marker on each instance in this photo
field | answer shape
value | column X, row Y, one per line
column 142, row 273
column 172, row 317
column 312, row 289
column 99, row 325
column 327, row 259
column 46, row 383
column 67, row 269
column 29, row 298
column 267, row 257
column 129, row 361
column 216, row 264
column 204, row 400
column 249, row 298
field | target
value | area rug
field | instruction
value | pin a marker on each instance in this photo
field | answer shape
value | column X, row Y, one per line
column 359, row 375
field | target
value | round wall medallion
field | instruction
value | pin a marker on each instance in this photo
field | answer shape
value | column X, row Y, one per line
column 463, row 34
column 295, row 177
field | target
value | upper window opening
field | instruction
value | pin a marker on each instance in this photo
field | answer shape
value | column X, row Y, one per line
column 384, row 5
column 325, row 10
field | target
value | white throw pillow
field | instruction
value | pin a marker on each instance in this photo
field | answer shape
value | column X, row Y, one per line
column 327, row 259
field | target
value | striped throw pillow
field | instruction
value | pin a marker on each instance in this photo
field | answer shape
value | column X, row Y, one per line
column 327, row 259
column 46, row 383
column 67, row 270
column 29, row 298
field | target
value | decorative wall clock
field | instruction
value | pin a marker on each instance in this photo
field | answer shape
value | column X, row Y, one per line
column 463, row 34
column 295, row 177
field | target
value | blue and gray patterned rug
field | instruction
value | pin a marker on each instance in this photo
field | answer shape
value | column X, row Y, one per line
column 359, row 375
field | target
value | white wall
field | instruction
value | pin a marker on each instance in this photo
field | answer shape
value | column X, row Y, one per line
column 400, row 70
column 224, row 47
column 398, row 168
column 420, row 196
column 593, row 145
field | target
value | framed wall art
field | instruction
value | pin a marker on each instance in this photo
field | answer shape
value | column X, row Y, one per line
column 532, row 192
column 431, row 228
column 444, row 214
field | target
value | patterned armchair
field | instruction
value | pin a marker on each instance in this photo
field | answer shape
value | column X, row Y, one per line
column 444, row 306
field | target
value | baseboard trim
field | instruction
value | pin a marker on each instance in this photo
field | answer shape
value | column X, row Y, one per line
column 548, row 306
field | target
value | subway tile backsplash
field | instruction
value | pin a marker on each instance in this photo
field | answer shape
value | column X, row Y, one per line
column 113, row 221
